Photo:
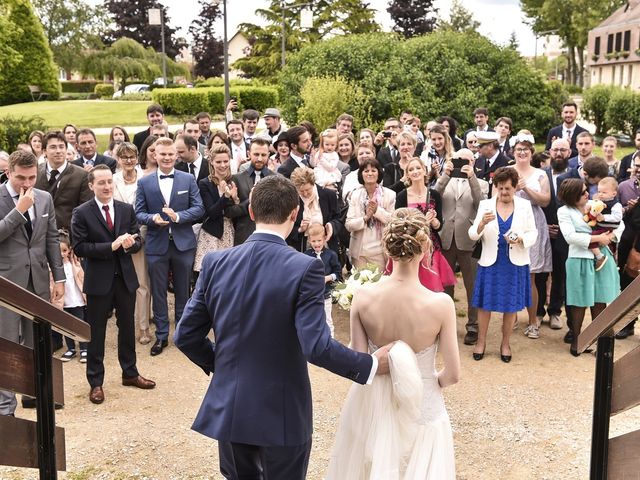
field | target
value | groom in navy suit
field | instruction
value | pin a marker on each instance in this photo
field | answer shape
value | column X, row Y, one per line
column 258, row 405
column 168, row 202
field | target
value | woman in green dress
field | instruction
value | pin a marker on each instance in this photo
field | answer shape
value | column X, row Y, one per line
column 585, row 286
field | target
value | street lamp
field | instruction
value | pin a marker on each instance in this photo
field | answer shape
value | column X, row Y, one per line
column 156, row 17
column 225, row 50
column 306, row 22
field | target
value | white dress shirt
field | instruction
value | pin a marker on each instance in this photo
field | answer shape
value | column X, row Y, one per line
column 112, row 212
column 60, row 169
column 15, row 196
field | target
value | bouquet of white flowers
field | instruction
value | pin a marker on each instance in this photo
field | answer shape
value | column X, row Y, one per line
column 343, row 291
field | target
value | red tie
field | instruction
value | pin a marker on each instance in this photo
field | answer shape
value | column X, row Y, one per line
column 108, row 216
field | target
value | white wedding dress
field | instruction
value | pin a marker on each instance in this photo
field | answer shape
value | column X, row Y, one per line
column 397, row 428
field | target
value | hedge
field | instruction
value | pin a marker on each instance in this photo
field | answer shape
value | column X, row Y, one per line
column 190, row 101
column 16, row 130
column 79, row 86
column 104, row 90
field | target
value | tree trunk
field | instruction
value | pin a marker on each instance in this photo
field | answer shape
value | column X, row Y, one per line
column 572, row 64
column 580, row 69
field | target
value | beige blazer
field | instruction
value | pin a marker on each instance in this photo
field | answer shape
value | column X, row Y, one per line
column 460, row 200
column 355, row 216
column 522, row 223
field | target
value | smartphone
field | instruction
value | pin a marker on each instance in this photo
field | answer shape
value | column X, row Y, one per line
column 458, row 163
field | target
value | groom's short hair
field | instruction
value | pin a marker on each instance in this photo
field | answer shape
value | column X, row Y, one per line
column 273, row 199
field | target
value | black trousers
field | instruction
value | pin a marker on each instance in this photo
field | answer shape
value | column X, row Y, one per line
column 559, row 254
column 239, row 461
column 98, row 310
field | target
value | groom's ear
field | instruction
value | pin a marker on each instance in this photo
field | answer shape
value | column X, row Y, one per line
column 294, row 214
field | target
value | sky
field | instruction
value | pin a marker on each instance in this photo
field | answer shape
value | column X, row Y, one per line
column 498, row 18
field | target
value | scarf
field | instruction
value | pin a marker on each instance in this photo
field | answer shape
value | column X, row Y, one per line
column 373, row 221
column 312, row 210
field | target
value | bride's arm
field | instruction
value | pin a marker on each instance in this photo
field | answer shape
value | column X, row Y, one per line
column 450, row 374
column 358, row 335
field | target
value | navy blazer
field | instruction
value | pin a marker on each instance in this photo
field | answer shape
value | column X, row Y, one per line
column 260, row 393
column 92, row 241
column 551, row 210
column 214, row 205
column 558, row 132
column 185, row 201
column 100, row 160
column 331, row 266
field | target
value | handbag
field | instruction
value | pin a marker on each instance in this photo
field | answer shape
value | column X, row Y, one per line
column 477, row 250
column 632, row 267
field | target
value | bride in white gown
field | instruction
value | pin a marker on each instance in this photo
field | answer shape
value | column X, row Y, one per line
column 398, row 428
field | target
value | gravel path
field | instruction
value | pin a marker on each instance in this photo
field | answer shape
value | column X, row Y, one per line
column 530, row 419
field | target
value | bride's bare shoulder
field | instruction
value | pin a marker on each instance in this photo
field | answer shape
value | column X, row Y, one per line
column 438, row 300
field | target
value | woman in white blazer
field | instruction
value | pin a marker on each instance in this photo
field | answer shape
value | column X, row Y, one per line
column 506, row 226
column 585, row 286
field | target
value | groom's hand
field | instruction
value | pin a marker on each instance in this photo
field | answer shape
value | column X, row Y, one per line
column 382, row 354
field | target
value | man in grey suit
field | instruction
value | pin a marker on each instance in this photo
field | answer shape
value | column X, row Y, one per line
column 29, row 247
column 259, row 156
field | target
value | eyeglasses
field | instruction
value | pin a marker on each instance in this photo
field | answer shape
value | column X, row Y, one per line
column 559, row 150
column 472, row 142
column 129, row 159
column 521, row 150
column 585, row 191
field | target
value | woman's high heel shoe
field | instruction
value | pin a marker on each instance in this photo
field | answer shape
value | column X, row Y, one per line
column 478, row 356
column 505, row 358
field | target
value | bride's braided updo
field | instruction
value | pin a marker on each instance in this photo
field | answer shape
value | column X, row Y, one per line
column 406, row 234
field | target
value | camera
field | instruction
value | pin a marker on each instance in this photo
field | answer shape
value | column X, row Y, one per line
column 386, row 134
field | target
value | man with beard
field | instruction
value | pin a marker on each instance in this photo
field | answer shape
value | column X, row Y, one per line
column 299, row 140
column 568, row 130
column 560, row 150
column 245, row 180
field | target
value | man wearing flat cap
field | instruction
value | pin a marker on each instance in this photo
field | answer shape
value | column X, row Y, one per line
column 490, row 156
column 274, row 125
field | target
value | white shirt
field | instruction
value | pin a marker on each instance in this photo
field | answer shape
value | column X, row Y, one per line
column 567, row 133
column 72, row 294
column 374, row 365
column 60, row 169
column 493, row 159
column 237, row 152
column 112, row 212
column 296, row 159
column 15, row 195
column 91, row 160
column 166, row 185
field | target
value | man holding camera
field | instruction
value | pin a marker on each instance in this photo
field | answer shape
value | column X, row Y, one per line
column 388, row 156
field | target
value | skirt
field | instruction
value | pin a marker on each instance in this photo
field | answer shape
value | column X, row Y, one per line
column 503, row 286
column 586, row 287
column 208, row 243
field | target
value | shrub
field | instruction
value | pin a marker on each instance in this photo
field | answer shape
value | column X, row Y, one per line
column 104, row 90
column 153, row 86
column 31, row 59
column 79, row 86
column 440, row 73
column 594, row 106
column 219, row 82
column 189, row 101
column 16, row 130
column 136, row 97
column 323, row 99
column 623, row 111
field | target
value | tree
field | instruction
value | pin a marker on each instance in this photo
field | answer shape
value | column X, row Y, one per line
column 126, row 59
column 131, row 20
column 207, row 50
column 460, row 19
column 26, row 58
column 71, row 27
column 571, row 20
column 413, row 17
column 513, row 43
column 330, row 18
column 441, row 73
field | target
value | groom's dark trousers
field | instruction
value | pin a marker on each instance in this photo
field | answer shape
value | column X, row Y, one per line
column 265, row 304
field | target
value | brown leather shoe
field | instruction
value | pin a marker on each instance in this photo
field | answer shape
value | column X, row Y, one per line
column 96, row 395
column 139, row 382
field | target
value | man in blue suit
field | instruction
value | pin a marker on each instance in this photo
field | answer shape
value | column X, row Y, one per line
column 264, row 302
column 168, row 202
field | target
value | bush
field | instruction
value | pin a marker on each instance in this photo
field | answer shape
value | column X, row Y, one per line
column 573, row 89
column 79, row 86
column 104, row 90
column 190, row 101
column 219, row 82
column 16, row 130
column 323, row 99
column 136, row 97
column 440, row 73
column 623, row 111
column 594, row 106
column 31, row 60
column 153, row 86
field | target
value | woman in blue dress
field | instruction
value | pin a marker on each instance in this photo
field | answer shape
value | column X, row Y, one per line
column 507, row 229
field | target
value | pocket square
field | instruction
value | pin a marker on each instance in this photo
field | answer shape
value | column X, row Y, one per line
column 182, row 191
column 45, row 215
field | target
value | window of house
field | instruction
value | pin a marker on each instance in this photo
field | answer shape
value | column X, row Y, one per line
column 596, row 48
column 618, row 41
column 627, row 41
column 610, row 43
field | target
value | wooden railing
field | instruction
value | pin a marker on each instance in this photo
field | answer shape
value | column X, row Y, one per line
column 617, row 389
column 35, row 372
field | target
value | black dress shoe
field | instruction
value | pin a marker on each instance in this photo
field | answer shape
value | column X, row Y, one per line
column 158, row 347
column 505, row 358
column 478, row 356
column 471, row 338
column 568, row 338
column 624, row 333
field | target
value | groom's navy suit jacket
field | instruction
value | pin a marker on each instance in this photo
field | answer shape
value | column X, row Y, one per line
column 264, row 302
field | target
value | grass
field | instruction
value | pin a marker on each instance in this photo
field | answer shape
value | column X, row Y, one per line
column 85, row 113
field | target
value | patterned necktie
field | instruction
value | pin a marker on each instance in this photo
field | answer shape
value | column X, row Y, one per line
column 257, row 177
column 567, row 136
column 108, row 217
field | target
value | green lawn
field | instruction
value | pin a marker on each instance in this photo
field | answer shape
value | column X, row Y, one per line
column 85, row 113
